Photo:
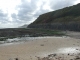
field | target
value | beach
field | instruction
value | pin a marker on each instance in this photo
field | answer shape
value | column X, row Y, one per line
column 40, row 48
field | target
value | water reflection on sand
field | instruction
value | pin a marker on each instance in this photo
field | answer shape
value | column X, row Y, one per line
column 69, row 50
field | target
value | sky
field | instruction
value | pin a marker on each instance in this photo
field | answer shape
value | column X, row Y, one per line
column 15, row 13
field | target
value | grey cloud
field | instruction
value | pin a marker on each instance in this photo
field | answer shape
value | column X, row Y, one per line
column 14, row 15
column 2, row 14
column 39, row 12
column 25, row 12
column 26, row 9
column 3, row 17
column 58, row 4
column 15, row 19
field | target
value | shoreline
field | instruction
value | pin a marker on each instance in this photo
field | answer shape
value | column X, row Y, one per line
column 19, row 41
column 68, row 34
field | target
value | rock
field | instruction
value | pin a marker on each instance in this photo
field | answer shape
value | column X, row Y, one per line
column 16, row 59
column 42, row 45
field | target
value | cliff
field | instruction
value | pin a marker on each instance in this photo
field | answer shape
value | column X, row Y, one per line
column 67, row 18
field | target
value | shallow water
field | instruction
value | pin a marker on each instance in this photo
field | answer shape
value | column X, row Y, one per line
column 22, row 39
column 69, row 50
column 65, row 50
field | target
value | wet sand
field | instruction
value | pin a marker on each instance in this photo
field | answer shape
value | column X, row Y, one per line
column 38, row 49
column 73, row 34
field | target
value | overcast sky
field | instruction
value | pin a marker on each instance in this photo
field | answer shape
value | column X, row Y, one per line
column 14, row 13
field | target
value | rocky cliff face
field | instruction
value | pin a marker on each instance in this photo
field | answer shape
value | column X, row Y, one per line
column 63, row 19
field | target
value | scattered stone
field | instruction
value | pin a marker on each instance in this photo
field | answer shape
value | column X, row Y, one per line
column 52, row 55
column 58, row 57
column 77, row 49
column 42, row 45
column 68, row 54
column 71, row 59
column 30, row 57
column 39, row 58
column 77, row 57
column 73, row 44
column 35, row 56
column 16, row 59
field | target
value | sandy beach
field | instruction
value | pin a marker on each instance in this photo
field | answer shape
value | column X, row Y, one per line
column 64, row 47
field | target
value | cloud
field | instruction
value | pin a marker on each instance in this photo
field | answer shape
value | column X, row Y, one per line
column 3, row 17
column 25, row 11
column 9, row 25
column 6, row 23
column 58, row 4
column 29, row 10
column 14, row 16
